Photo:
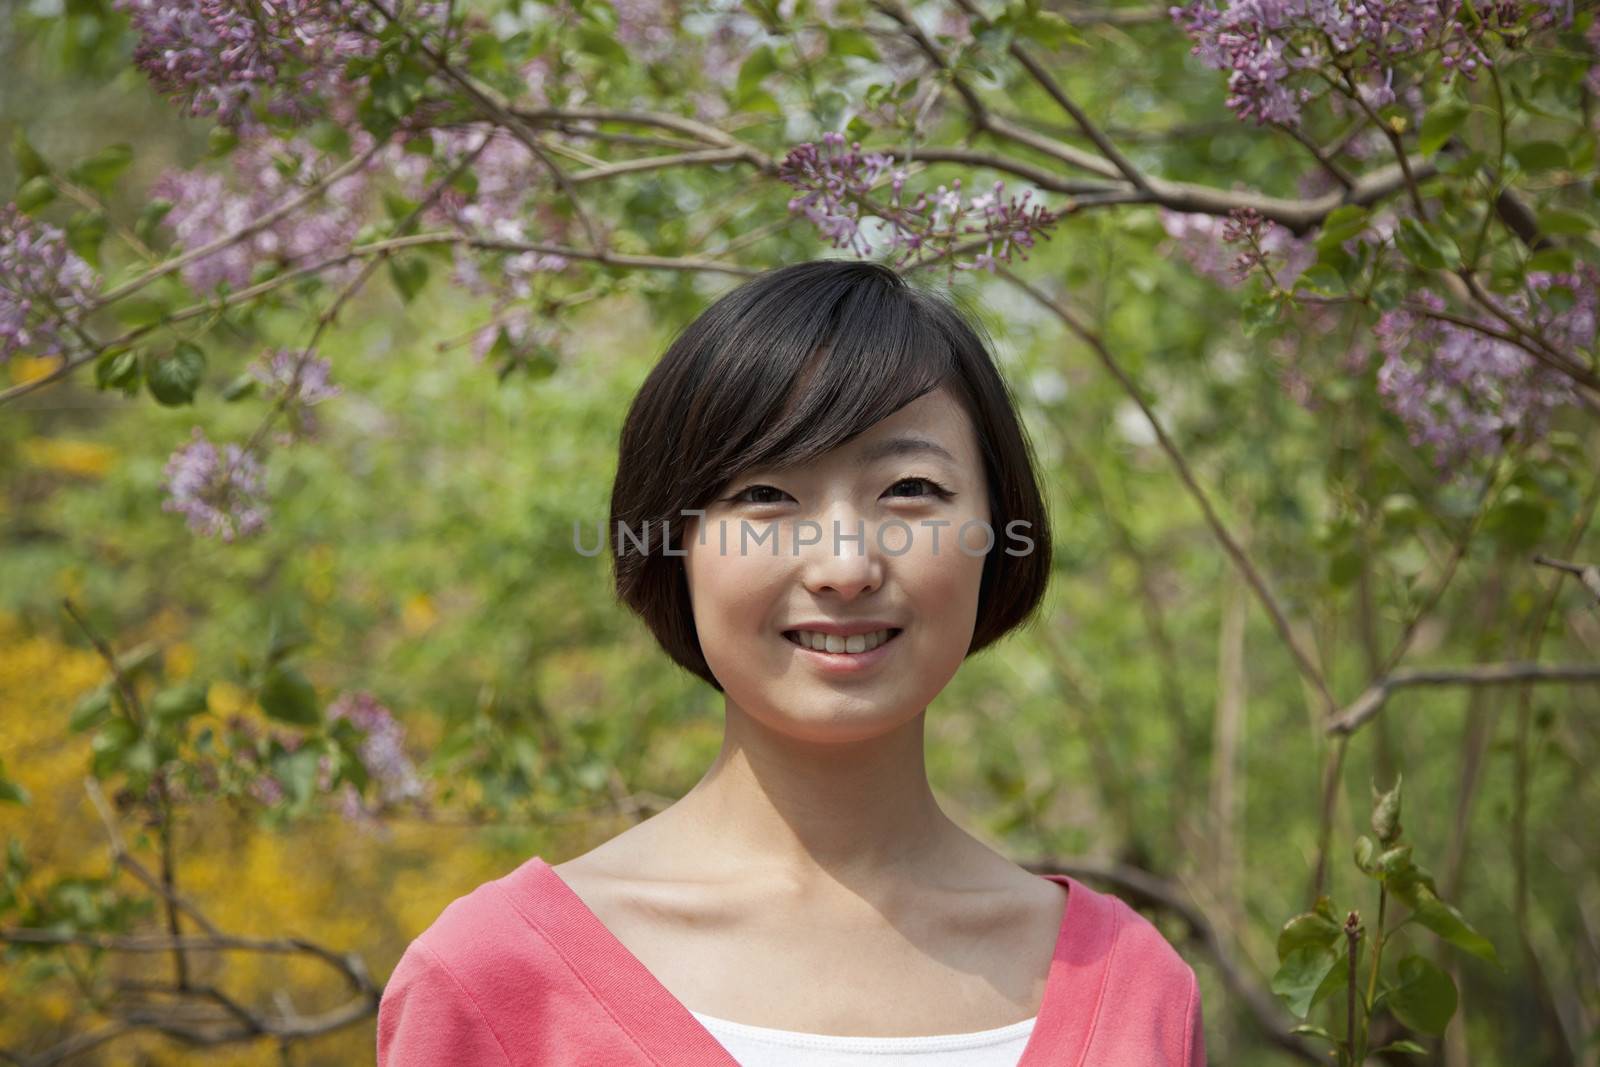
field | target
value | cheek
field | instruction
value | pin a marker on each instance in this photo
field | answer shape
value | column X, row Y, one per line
column 945, row 588
column 730, row 594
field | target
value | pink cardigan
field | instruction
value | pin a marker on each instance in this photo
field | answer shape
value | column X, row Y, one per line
column 520, row 973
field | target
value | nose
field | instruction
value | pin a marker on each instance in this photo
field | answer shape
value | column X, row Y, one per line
column 845, row 560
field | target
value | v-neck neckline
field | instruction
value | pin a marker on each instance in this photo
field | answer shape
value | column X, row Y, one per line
column 666, row 1029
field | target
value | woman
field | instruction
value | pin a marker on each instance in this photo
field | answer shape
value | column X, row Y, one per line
column 824, row 503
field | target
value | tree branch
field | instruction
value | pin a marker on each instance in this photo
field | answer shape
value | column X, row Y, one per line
column 1373, row 700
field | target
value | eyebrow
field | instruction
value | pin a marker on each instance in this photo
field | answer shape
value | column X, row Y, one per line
column 904, row 446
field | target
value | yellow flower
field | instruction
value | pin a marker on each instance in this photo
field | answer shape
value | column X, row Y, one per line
column 86, row 459
column 225, row 698
column 31, row 368
column 417, row 614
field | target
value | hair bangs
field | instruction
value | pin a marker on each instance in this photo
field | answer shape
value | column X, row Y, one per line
column 836, row 376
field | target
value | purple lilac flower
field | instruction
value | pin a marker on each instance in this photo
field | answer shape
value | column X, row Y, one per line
column 646, row 28
column 832, row 178
column 1461, row 393
column 382, row 749
column 267, row 790
column 298, row 379
column 221, row 493
column 1265, row 44
column 511, row 202
column 1203, row 240
column 45, row 287
column 837, row 182
column 206, row 207
column 1010, row 225
column 220, row 57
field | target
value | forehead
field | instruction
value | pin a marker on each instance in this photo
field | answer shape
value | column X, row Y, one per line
column 937, row 415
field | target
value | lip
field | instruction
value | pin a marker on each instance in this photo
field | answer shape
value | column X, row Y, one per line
column 847, row 662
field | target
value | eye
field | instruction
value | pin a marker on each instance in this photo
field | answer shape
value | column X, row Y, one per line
column 739, row 497
column 927, row 487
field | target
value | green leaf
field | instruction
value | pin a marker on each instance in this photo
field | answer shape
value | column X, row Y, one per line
column 118, row 370
column 1440, row 123
column 220, row 141
column 603, row 46
column 1312, row 1030
column 36, row 193
column 243, row 386
column 287, row 695
column 1424, row 247
column 1341, row 224
column 1257, row 313
column 761, row 100
column 1049, row 29
column 285, row 634
column 1517, row 521
column 1321, row 278
column 151, row 216
column 12, row 792
column 297, row 772
column 1565, row 222
column 174, row 379
column 1552, row 260
column 1386, row 813
column 110, row 742
column 329, row 136
column 30, row 164
column 1344, row 567
column 1365, row 854
column 91, row 711
column 179, row 703
column 753, row 71
column 845, row 41
column 1540, row 155
column 85, row 230
column 1307, row 928
column 409, row 274
column 1425, row 997
column 1395, row 860
column 1402, row 1046
column 1302, row 973
column 101, row 170
column 1451, row 925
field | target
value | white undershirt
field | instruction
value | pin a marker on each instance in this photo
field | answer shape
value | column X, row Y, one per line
column 760, row 1046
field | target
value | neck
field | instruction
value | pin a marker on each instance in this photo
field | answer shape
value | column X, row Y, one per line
column 811, row 813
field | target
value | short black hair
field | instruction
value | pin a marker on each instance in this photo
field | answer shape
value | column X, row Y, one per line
column 783, row 368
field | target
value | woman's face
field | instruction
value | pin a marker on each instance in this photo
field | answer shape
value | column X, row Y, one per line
column 768, row 577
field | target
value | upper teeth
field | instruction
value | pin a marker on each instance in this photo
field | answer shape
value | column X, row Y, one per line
column 834, row 643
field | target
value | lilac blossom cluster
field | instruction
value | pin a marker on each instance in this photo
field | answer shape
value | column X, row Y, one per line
column 839, row 181
column 1264, row 45
column 510, row 202
column 1461, row 393
column 45, row 287
column 222, row 57
column 221, row 493
column 206, row 206
column 1204, row 240
column 297, row 379
column 382, row 753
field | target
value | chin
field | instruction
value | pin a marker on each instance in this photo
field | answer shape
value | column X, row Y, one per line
column 818, row 716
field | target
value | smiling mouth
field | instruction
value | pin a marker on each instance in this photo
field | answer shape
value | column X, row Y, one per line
column 853, row 645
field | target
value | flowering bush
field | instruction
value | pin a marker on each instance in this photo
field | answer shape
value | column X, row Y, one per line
column 1382, row 209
